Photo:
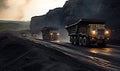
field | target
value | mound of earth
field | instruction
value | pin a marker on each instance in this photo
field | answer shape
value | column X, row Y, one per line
column 17, row 54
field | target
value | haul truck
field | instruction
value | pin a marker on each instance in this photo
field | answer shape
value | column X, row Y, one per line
column 86, row 32
column 50, row 34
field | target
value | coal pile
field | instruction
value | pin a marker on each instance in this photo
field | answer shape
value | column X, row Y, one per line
column 17, row 54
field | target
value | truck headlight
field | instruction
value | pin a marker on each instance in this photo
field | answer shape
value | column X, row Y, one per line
column 58, row 34
column 107, row 32
column 51, row 34
column 93, row 32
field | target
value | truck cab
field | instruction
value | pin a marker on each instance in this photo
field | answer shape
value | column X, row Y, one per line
column 99, row 33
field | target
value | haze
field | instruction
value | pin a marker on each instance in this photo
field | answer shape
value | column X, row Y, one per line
column 25, row 9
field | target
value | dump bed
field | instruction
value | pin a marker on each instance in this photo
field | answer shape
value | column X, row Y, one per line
column 73, row 28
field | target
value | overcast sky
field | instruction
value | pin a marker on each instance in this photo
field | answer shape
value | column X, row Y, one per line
column 25, row 9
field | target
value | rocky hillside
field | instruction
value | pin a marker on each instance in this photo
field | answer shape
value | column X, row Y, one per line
column 52, row 19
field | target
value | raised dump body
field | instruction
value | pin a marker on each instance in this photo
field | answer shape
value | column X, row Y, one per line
column 86, row 32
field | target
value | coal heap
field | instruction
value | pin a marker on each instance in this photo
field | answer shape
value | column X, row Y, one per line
column 17, row 54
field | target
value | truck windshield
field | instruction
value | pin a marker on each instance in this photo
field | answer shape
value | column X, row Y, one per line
column 96, row 26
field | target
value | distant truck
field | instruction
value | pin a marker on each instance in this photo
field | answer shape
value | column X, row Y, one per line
column 50, row 34
column 86, row 32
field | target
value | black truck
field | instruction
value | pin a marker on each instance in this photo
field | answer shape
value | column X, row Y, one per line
column 86, row 32
column 50, row 34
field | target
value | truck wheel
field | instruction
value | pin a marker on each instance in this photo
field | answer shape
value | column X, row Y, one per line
column 80, row 41
column 71, row 39
column 85, row 41
column 74, row 41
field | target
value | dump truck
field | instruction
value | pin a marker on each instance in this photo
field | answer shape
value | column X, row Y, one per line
column 50, row 34
column 86, row 32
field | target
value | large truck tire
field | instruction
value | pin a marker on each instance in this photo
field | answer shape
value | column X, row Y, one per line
column 85, row 41
column 71, row 39
column 80, row 41
column 74, row 40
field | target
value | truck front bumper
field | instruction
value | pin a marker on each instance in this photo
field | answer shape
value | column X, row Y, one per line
column 99, row 40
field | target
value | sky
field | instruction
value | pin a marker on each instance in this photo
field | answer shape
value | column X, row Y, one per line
column 23, row 10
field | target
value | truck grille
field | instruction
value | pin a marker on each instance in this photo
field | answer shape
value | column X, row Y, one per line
column 100, row 32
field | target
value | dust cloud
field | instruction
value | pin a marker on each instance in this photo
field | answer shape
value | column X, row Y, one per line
column 12, row 9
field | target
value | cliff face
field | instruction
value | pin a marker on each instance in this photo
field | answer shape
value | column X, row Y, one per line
column 74, row 10
column 99, row 9
column 51, row 19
